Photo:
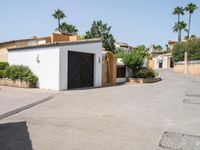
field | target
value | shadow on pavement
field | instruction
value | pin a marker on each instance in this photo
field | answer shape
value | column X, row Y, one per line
column 15, row 136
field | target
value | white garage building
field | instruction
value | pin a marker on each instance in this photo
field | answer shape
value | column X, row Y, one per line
column 62, row 66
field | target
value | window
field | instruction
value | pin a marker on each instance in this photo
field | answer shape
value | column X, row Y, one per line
column 121, row 72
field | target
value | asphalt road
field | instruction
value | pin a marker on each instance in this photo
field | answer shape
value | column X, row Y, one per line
column 125, row 117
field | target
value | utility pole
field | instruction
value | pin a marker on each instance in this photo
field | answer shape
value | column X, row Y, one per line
column 186, row 63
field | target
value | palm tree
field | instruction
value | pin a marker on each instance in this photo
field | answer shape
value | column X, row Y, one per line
column 190, row 8
column 178, row 11
column 58, row 14
column 68, row 28
column 178, row 27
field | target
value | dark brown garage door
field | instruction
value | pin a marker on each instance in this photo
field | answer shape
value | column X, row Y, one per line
column 80, row 70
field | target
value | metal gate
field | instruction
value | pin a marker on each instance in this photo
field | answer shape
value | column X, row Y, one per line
column 80, row 70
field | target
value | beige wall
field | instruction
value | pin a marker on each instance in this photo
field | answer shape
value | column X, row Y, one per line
column 4, row 51
column 193, row 69
column 73, row 38
column 59, row 37
column 111, row 64
column 179, row 68
column 151, row 64
column 47, row 39
column 4, row 55
column 55, row 37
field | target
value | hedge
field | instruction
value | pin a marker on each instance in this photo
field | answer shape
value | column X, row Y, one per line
column 18, row 72
column 3, row 65
column 2, row 73
column 192, row 46
column 145, row 73
column 194, row 49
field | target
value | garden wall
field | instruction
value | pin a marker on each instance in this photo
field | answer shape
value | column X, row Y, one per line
column 193, row 67
column 17, row 83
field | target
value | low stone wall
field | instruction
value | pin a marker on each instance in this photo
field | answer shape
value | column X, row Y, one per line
column 141, row 80
column 17, row 83
column 193, row 67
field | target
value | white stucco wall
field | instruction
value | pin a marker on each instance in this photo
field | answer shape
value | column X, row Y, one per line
column 52, row 66
column 156, row 64
column 93, row 48
column 165, row 62
column 47, row 68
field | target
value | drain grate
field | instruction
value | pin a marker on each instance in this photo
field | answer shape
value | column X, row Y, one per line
column 196, row 81
column 178, row 141
column 192, row 95
column 194, row 101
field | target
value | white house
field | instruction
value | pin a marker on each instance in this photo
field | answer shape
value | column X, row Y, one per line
column 123, row 46
column 163, row 61
column 62, row 66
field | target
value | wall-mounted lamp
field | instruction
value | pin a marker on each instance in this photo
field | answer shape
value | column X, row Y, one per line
column 99, row 60
column 38, row 60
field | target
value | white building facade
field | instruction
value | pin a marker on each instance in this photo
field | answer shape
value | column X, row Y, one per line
column 62, row 66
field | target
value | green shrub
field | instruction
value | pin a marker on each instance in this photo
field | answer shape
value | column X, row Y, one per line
column 192, row 46
column 19, row 72
column 133, row 60
column 3, row 65
column 2, row 73
column 119, row 53
column 145, row 73
column 178, row 51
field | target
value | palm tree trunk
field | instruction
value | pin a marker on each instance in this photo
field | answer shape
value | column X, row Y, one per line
column 178, row 18
column 58, row 24
column 179, row 32
column 179, row 36
column 190, row 17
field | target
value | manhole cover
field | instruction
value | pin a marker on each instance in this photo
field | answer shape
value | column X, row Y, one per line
column 196, row 81
column 194, row 101
column 192, row 95
column 178, row 141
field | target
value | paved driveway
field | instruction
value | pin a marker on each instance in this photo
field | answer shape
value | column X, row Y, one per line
column 126, row 117
column 13, row 98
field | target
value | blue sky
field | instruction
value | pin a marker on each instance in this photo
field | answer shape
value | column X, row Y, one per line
column 135, row 22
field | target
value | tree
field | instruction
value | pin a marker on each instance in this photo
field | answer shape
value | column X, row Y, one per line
column 178, row 51
column 64, row 27
column 158, row 47
column 140, row 50
column 193, row 36
column 178, row 11
column 58, row 14
column 102, row 30
column 135, row 59
column 190, row 8
column 178, row 27
column 191, row 46
column 119, row 53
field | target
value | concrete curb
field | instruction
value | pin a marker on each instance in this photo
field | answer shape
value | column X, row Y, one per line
column 13, row 112
column 142, row 80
